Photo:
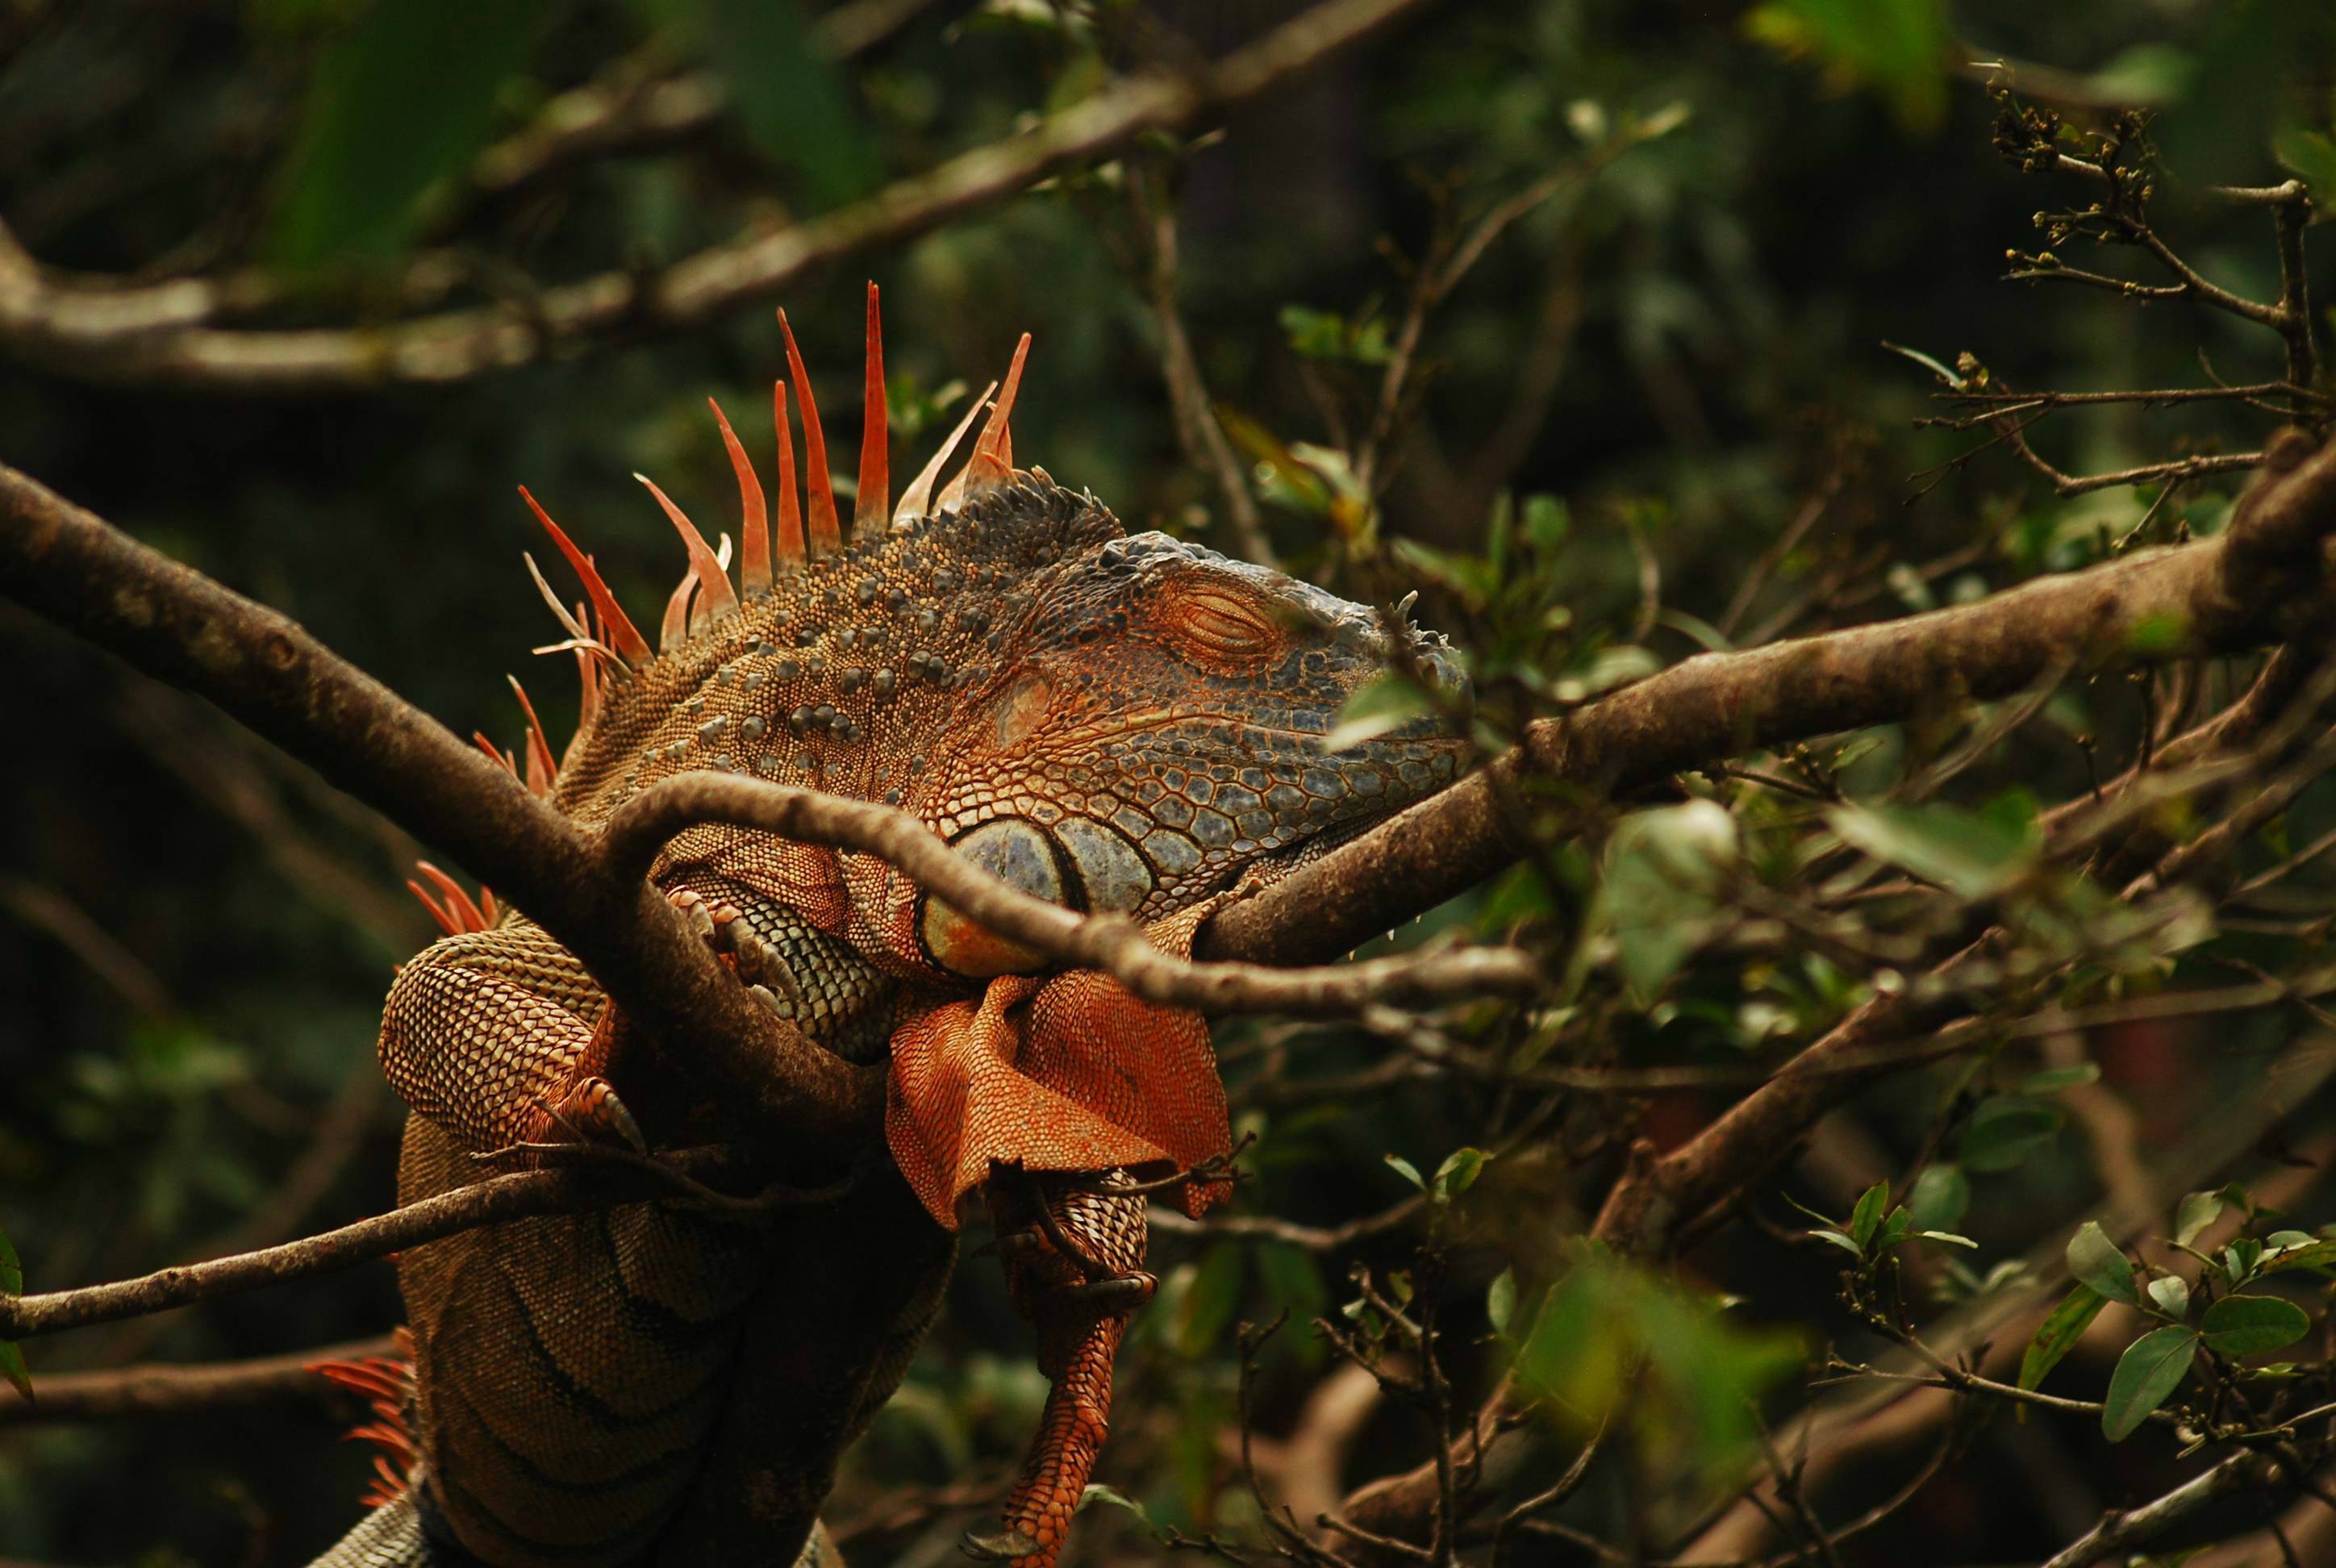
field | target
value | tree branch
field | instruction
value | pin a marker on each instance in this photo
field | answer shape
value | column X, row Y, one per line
column 624, row 110
column 566, row 1189
column 1110, row 942
column 2117, row 1530
column 163, row 1389
column 2251, row 586
column 167, row 332
column 262, row 668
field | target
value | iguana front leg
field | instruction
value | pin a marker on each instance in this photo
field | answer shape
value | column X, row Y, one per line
column 499, row 1036
column 1073, row 1254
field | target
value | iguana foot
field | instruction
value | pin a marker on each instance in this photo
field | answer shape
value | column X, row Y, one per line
column 754, row 961
column 998, row 1546
column 591, row 1111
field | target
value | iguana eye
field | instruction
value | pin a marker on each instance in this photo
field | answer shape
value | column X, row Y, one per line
column 1219, row 627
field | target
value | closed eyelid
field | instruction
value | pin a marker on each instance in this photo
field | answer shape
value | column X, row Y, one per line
column 1219, row 623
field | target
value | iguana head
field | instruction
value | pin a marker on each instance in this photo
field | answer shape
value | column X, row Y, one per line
column 1108, row 720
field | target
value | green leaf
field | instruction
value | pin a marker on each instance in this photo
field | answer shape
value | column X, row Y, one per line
column 1871, row 1205
column 2003, row 1131
column 13, row 1368
column 1545, row 523
column 1459, row 1171
column 2195, row 1213
column 2314, row 1255
column 2252, row 1325
column 1501, row 1300
column 1387, row 702
column 790, row 97
column 1408, row 1171
column 1841, row 1240
column 403, row 99
column 1656, row 900
column 1898, row 47
column 2172, row 1294
column 2156, row 635
column 1113, row 1497
column 1969, row 854
column 2058, row 1333
column 1950, row 1238
column 1940, row 1197
column 1326, row 335
column 2052, row 1080
column 2149, row 1371
column 1210, row 1300
column 2096, row 1261
column 2313, row 155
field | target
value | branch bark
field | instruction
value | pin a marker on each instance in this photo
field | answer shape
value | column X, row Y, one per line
column 2253, row 585
column 2259, row 581
column 181, row 628
column 163, row 1389
column 167, row 332
column 1110, row 942
column 518, row 1195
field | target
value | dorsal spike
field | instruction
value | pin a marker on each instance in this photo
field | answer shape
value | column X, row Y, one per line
column 588, row 707
column 992, row 463
column 673, row 629
column 457, row 901
column 712, row 581
column 568, row 623
column 626, row 639
column 542, row 770
column 790, row 529
column 819, row 491
column 700, row 617
column 917, row 501
column 875, row 496
column 754, row 516
column 495, row 754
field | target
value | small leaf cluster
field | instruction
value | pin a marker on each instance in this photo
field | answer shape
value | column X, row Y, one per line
column 1875, row 1227
column 2217, row 1316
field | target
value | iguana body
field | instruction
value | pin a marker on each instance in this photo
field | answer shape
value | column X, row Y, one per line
column 1109, row 722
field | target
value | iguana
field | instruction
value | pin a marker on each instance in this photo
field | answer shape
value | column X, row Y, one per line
column 1108, row 720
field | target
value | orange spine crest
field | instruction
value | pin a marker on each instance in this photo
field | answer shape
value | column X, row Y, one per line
column 819, row 490
column 754, row 516
column 869, row 507
column 622, row 635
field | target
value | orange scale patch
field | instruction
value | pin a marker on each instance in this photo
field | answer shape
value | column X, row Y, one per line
column 1071, row 1073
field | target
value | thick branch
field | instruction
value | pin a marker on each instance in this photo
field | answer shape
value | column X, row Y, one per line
column 183, row 628
column 2212, row 597
column 163, row 1389
column 622, row 114
column 1109, row 942
column 166, row 331
column 2117, row 1530
column 2249, row 587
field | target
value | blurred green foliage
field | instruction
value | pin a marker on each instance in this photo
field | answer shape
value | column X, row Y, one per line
column 1617, row 420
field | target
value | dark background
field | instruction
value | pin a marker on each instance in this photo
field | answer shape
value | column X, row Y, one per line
column 195, row 934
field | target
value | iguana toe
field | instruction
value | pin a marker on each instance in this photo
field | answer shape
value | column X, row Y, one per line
column 998, row 1546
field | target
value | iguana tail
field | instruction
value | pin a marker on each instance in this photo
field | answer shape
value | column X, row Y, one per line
column 390, row 1536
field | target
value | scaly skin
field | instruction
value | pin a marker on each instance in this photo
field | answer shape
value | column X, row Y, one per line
column 1109, row 722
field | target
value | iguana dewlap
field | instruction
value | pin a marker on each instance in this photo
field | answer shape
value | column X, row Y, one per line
column 1109, row 722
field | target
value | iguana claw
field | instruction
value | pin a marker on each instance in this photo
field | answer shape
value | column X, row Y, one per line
column 1119, row 1293
column 1002, row 1546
